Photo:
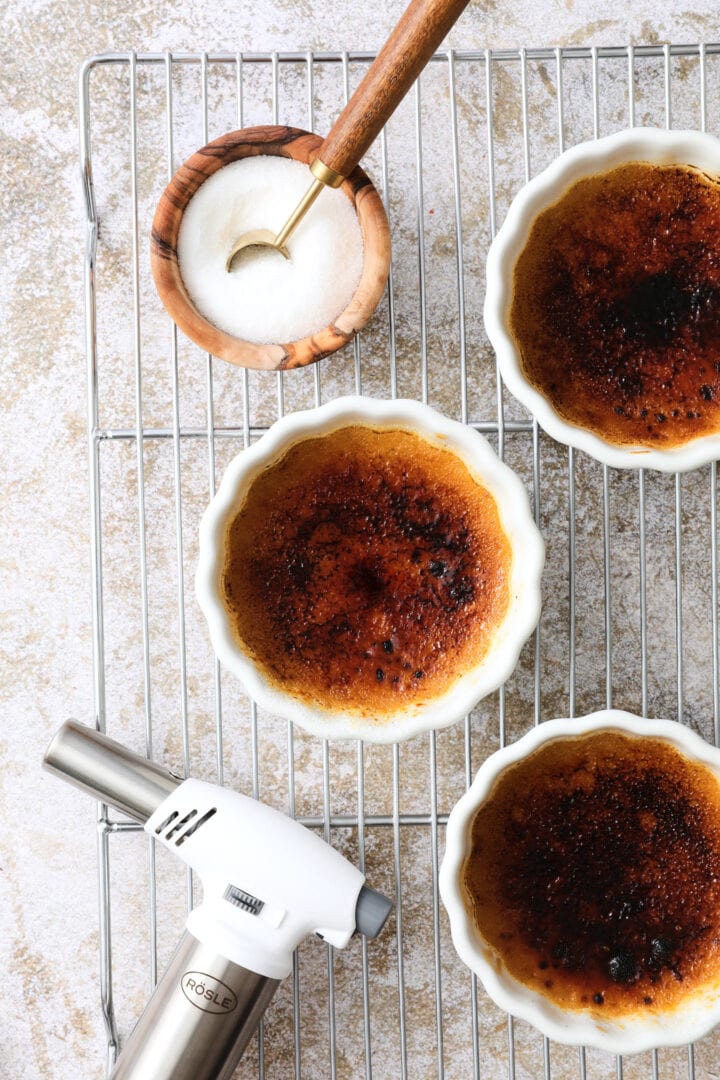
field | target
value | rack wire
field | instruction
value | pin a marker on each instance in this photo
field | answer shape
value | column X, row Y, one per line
column 630, row 614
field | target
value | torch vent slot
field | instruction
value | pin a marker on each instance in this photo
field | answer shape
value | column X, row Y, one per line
column 172, row 825
column 245, row 901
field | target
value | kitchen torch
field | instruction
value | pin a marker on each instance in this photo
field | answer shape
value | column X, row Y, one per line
column 267, row 882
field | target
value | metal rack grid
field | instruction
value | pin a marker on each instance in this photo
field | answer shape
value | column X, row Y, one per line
column 631, row 588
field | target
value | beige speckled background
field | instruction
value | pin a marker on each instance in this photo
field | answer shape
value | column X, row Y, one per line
column 50, row 1019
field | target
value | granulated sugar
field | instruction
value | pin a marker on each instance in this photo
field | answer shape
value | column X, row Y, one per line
column 267, row 298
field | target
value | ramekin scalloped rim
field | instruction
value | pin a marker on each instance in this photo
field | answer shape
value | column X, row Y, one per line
column 657, row 145
column 516, row 519
column 686, row 1022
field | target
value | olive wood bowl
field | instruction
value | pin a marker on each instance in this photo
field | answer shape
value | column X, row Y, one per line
column 281, row 142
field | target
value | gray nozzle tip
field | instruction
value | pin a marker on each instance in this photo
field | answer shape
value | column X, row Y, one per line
column 371, row 912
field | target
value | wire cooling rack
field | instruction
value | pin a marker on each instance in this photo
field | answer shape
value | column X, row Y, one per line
column 630, row 615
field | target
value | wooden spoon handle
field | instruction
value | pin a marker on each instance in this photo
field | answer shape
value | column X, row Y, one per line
column 417, row 35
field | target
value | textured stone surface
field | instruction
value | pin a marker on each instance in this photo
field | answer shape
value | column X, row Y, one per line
column 52, row 1025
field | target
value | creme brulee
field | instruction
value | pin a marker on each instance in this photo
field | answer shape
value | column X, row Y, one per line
column 594, row 873
column 366, row 569
column 616, row 305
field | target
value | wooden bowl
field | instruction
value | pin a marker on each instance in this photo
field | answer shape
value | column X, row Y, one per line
column 282, row 142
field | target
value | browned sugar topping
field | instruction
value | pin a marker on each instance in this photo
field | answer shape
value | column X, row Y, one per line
column 616, row 305
column 595, row 873
column 366, row 569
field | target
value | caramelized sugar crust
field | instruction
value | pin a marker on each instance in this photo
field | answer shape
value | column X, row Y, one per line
column 616, row 305
column 366, row 570
column 594, row 873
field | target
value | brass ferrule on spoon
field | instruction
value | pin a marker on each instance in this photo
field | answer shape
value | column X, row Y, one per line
column 324, row 177
column 415, row 38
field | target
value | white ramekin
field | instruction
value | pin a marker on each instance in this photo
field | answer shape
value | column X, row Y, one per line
column 685, row 1023
column 655, row 145
column 516, row 520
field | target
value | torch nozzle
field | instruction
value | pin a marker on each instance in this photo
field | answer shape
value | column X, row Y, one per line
column 371, row 912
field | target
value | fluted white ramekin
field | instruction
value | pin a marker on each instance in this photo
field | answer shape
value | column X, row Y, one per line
column 686, row 1022
column 655, row 145
column 515, row 518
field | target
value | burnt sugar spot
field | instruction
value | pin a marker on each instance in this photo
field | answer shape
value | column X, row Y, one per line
column 656, row 309
column 367, row 564
column 602, row 853
column 616, row 303
column 622, row 967
column 368, row 577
